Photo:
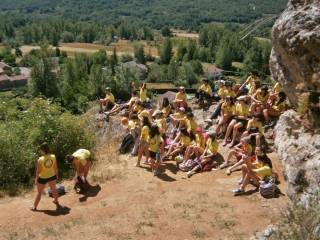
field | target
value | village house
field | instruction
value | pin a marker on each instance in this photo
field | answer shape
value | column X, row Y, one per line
column 9, row 80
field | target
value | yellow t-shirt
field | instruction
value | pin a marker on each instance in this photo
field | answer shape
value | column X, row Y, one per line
column 109, row 97
column 185, row 140
column 279, row 106
column 145, row 113
column 132, row 99
column 166, row 111
column 224, row 92
column 255, row 124
column 162, row 125
column 47, row 166
column 133, row 124
column 145, row 134
column 137, row 108
column 277, row 88
column 260, row 97
column 82, row 155
column 181, row 96
column 221, row 92
column 242, row 110
column 213, row 146
column 143, row 95
column 263, row 171
column 192, row 125
column 228, row 109
column 200, row 140
column 206, row 88
column 154, row 143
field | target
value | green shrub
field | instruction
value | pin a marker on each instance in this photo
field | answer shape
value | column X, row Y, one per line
column 300, row 222
column 24, row 125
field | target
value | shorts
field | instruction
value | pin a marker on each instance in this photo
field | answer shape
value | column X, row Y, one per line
column 242, row 121
column 153, row 155
column 46, row 180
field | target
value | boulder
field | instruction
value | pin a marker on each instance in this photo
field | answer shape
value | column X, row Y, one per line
column 299, row 151
column 295, row 57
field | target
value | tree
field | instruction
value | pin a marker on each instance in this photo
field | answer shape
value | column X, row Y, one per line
column 166, row 52
column 182, row 50
column 224, row 54
column 191, row 51
column 173, row 71
column 113, row 61
column 166, row 32
column 139, row 54
column 253, row 60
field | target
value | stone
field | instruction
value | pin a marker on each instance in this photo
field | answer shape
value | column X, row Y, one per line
column 295, row 57
column 300, row 155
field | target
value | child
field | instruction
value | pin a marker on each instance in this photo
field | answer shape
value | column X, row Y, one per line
column 239, row 121
column 207, row 158
column 254, row 172
column 156, row 146
column 144, row 141
column 227, row 111
column 180, row 144
column 244, row 148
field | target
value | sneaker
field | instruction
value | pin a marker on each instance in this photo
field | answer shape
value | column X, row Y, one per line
column 208, row 121
column 237, row 192
column 189, row 174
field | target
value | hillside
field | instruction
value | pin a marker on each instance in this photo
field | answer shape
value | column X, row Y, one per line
column 156, row 13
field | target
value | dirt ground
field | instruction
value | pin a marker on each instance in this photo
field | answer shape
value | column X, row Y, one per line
column 131, row 203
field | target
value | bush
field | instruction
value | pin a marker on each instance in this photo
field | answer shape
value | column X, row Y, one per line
column 24, row 125
column 300, row 222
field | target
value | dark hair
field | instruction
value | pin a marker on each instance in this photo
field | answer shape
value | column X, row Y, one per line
column 257, row 115
column 265, row 89
column 265, row 159
column 184, row 131
column 154, row 130
column 282, row 97
column 134, row 93
column 146, row 122
column 254, row 73
column 190, row 114
column 165, row 102
column 134, row 117
column 70, row 158
column 44, row 147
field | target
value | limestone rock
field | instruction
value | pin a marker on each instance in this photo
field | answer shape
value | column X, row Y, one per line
column 295, row 58
column 299, row 151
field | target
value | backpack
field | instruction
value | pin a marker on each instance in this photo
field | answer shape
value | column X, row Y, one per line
column 61, row 191
column 187, row 165
column 80, row 185
column 126, row 144
column 268, row 189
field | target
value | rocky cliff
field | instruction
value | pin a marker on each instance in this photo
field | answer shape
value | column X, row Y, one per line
column 295, row 63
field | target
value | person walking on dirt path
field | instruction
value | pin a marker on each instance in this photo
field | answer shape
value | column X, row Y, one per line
column 46, row 173
column 81, row 160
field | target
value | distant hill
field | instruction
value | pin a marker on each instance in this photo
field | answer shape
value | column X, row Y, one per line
column 155, row 13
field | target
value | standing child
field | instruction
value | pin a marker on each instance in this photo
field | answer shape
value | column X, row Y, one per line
column 156, row 146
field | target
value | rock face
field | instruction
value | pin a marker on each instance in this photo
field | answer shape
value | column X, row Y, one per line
column 295, row 58
column 299, row 151
column 295, row 63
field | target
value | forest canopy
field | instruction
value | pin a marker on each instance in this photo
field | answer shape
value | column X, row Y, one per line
column 187, row 14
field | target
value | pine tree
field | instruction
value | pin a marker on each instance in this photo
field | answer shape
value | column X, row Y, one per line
column 166, row 52
column 139, row 54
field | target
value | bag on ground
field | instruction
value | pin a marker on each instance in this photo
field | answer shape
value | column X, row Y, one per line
column 268, row 189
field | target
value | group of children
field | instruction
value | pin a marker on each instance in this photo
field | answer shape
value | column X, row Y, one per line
column 170, row 131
